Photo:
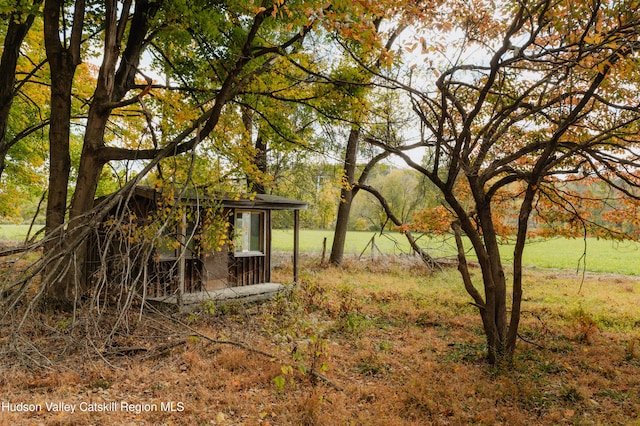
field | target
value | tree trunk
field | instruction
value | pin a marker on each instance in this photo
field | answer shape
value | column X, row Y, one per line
column 478, row 227
column 90, row 166
column 63, row 62
column 495, row 321
column 112, row 85
column 346, row 197
column 16, row 31
column 516, row 305
column 495, row 287
column 260, row 156
column 260, row 161
column 493, row 310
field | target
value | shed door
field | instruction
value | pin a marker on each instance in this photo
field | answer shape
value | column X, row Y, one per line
column 216, row 269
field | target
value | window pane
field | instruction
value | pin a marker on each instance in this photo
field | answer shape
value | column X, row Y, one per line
column 248, row 231
column 255, row 232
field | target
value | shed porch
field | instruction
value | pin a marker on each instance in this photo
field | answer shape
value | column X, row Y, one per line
column 190, row 302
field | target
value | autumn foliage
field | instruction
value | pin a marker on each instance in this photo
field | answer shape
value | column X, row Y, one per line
column 530, row 131
column 525, row 112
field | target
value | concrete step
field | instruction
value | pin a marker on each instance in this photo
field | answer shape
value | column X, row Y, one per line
column 190, row 302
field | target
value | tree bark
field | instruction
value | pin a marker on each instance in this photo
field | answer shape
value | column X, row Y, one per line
column 521, row 239
column 260, row 156
column 111, row 87
column 346, row 197
column 64, row 58
column 260, row 161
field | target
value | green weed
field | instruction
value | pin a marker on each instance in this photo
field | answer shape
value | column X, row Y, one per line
column 570, row 393
column 466, row 352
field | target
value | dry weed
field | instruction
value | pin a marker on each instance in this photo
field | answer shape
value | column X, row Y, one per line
column 389, row 344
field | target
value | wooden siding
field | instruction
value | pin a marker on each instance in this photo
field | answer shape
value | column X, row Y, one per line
column 164, row 277
column 247, row 270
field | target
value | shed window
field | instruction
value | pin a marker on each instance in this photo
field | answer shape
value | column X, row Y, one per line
column 249, row 232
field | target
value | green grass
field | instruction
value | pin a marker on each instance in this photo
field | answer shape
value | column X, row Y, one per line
column 16, row 232
column 601, row 255
column 311, row 241
column 560, row 253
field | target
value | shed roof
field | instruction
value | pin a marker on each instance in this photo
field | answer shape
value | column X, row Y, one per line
column 257, row 201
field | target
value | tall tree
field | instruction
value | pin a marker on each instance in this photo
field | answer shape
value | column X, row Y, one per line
column 349, row 189
column 223, row 49
column 546, row 103
column 63, row 54
column 370, row 51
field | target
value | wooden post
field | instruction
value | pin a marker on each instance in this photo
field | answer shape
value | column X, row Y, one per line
column 296, row 243
column 373, row 247
column 182, row 262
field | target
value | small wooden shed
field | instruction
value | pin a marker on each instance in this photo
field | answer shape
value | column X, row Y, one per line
column 183, row 272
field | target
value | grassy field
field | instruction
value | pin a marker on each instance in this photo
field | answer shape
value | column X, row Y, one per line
column 559, row 253
column 15, row 232
column 378, row 343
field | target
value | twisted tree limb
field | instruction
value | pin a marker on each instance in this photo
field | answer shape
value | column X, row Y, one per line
column 426, row 257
